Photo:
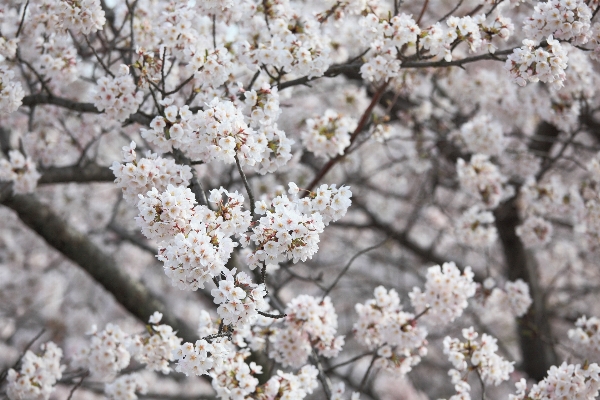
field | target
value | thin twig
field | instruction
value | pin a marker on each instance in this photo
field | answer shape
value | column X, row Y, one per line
column 422, row 11
column 347, row 267
column 350, row 361
column 364, row 380
column 16, row 364
column 22, row 19
column 275, row 316
column 85, row 375
column 246, row 185
column 361, row 124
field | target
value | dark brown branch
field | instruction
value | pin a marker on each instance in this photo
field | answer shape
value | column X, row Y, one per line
column 102, row 267
column 88, row 173
column 534, row 328
column 40, row 99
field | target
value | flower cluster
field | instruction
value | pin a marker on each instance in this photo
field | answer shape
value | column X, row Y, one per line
column 295, row 47
column 329, row 135
column 139, row 177
column 514, row 297
column 551, row 198
column 263, row 108
column 219, row 132
column 37, row 376
column 587, row 334
column 125, row 387
column 385, row 38
column 564, row 19
column 482, row 135
column 211, row 67
column 238, row 298
column 533, row 63
column 568, row 381
column 199, row 358
column 475, row 228
column 117, row 96
column 337, row 392
column 383, row 325
column 517, row 296
column 535, row 232
column 328, row 200
column 106, row 354
column 482, row 179
column 155, row 350
column 446, row 293
column 479, row 355
column 289, row 386
column 310, row 323
column 194, row 241
column 84, row 16
column 283, row 233
column 11, row 92
column 20, row 171
column 234, row 379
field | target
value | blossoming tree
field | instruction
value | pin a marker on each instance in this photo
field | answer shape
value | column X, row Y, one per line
column 281, row 199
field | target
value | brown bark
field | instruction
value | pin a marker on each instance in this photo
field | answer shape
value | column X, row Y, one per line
column 535, row 337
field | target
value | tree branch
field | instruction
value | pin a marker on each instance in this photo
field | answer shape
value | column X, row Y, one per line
column 102, row 267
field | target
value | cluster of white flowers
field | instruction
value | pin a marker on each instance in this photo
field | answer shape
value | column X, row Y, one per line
column 106, row 355
column 568, row 381
column 476, row 31
column 263, row 110
column 337, row 392
column 125, row 387
column 289, row 386
column 328, row 200
column 446, row 293
column 155, row 350
column 84, row 16
column 20, row 171
column 482, row 135
column 117, row 96
column 284, row 233
column 482, row 179
column 58, row 62
column 238, row 298
column 199, row 358
column 384, row 39
column 553, row 198
column 475, row 228
column 211, row 67
column 383, row 325
column 262, row 105
column 533, row 63
column 58, row 16
column 514, row 297
column 234, row 379
column 11, row 92
column 329, row 135
column 437, row 41
column 479, row 355
column 595, row 39
column 517, row 296
column 310, row 324
column 295, row 47
column 37, row 376
column 535, row 232
column 565, row 19
column 139, row 177
column 194, row 241
column 587, row 334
